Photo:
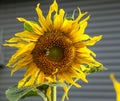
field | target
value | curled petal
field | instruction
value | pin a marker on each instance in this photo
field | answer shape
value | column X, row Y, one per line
column 36, row 28
column 93, row 40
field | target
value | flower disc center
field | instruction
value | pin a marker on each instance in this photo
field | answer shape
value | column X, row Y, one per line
column 55, row 53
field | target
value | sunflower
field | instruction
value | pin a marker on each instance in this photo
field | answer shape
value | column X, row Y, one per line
column 116, row 85
column 54, row 49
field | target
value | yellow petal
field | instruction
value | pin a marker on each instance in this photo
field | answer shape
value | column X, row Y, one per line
column 93, row 40
column 66, row 89
column 17, row 45
column 32, row 73
column 84, row 68
column 84, row 59
column 79, row 45
column 11, row 45
column 48, row 93
column 58, row 19
column 82, row 28
column 77, row 37
column 28, row 73
column 21, row 53
column 30, row 69
column 67, row 26
column 41, row 18
column 80, row 15
column 116, row 87
column 49, row 79
column 21, row 63
column 36, row 28
column 53, row 7
column 32, row 79
column 85, row 50
column 40, row 78
column 22, row 82
column 79, row 74
column 84, row 20
column 27, row 35
column 14, row 39
column 69, row 80
column 28, row 48
column 115, row 83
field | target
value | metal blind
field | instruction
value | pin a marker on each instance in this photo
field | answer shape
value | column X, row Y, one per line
column 105, row 20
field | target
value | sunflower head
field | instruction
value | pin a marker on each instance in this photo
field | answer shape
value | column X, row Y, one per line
column 53, row 49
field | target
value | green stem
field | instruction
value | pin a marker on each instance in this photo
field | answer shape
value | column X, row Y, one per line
column 65, row 93
column 44, row 98
column 53, row 93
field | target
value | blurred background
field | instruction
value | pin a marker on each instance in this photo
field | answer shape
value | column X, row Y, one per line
column 105, row 20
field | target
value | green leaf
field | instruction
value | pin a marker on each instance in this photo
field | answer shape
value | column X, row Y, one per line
column 28, row 27
column 14, row 93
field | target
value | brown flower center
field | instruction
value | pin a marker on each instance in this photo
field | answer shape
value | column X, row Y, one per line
column 53, row 52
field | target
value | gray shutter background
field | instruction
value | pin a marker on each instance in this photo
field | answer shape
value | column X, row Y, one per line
column 105, row 20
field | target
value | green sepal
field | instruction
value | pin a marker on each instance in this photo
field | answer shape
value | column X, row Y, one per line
column 15, row 94
column 43, row 88
column 30, row 93
column 28, row 27
column 69, row 18
column 95, row 69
